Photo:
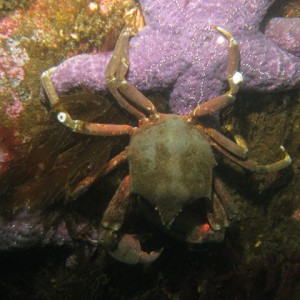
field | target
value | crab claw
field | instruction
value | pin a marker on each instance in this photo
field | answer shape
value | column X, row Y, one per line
column 129, row 251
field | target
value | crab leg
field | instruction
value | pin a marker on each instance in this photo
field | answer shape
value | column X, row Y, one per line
column 217, row 218
column 125, row 248
column 117, row 84
column 239, row 149
column 79, row 125
column 237, row 137
column 102, row 171
column 93, row 128
column 234, row 79
column 205, row 233
column 221, row 213
column 49, row 87
column 253, row 166
column 224, row 197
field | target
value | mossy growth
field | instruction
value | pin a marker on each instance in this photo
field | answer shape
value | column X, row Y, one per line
column 51, row 31
column 7, row 6
column 70, row 27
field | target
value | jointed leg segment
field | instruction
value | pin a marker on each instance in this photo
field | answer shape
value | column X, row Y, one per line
column 124, row 247
column 117, row 83
column 234, row 79
column 238, row 149
column 78, row 125
column 253, row 166
column 101, row 172
column 220, row 142
column 238, row 138
column 49, row 88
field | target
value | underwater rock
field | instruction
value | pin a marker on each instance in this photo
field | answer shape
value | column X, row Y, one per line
column 27, row 229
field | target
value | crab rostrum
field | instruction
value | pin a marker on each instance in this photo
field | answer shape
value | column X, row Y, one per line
column 170, row 161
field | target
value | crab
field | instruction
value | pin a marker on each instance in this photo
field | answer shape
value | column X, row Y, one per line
column 170, row 160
